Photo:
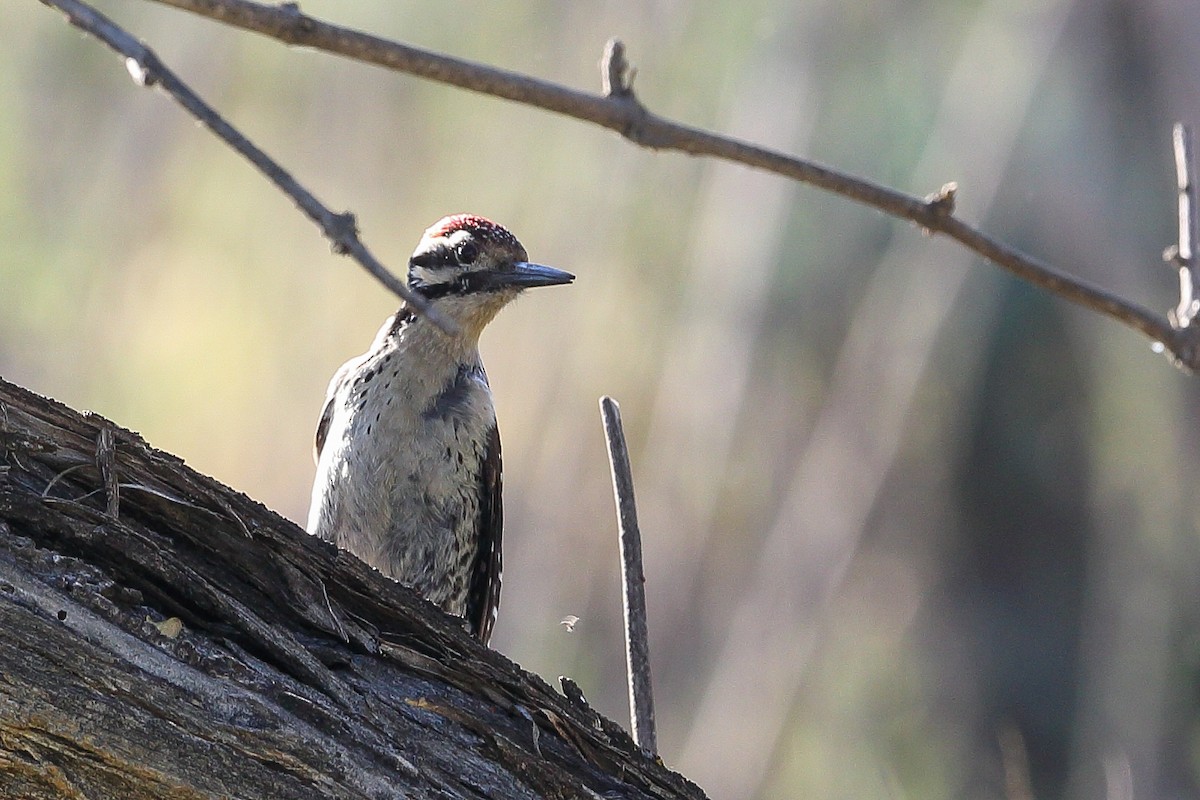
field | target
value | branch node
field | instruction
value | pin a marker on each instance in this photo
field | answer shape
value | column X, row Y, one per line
column 941, row 203
column 142, row 73
column 617, row 78
column 297, row 25
column 342, row 229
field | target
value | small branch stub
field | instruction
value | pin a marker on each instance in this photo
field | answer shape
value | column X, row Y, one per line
column 141, row 75
column 940, row 207
column 941, row 202
column 614, row 70
column 1183, row 254
column 633, row 580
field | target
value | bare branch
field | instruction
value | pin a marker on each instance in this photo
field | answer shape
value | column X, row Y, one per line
column 147, row 70
column 619, row 110
column 633, row 581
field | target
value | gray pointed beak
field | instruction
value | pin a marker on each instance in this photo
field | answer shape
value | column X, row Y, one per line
column 524, row 275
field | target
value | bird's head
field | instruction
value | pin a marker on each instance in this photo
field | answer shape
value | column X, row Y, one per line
column 468, row 267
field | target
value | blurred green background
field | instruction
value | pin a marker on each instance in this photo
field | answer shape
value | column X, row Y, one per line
column 913, row 529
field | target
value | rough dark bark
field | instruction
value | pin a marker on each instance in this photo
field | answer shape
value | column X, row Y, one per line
column 162, row 635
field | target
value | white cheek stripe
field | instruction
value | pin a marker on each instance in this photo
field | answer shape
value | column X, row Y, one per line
column 422, row 274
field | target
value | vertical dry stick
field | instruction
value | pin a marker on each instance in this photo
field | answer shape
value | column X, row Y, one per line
column 633, row 579
column 1183, row 255
column 106, row 462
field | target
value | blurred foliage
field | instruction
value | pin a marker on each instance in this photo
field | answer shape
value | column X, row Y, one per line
column 899, row 508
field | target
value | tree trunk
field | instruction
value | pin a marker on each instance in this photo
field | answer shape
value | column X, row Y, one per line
column 165, row 636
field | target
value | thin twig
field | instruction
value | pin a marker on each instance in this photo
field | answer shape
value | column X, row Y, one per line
column 147, row 70
column 1183, row 254
column 341, row 631
column 633, row 581
column 50, row 484
column 228, row 509
column 619, row 110
column 160, row 493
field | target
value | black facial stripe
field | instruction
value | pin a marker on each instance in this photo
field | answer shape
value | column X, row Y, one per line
column 466, row 283
column 437, row 258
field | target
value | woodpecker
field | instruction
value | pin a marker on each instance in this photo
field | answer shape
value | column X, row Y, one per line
column 407, row 449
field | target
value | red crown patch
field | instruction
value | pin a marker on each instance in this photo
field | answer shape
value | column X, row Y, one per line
column 480, row 227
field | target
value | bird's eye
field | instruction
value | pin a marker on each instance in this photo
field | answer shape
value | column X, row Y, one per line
column 467, row 253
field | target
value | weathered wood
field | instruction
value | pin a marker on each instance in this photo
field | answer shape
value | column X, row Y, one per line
column 195, row 644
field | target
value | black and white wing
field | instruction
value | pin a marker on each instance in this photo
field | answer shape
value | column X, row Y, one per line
column 483, row 594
